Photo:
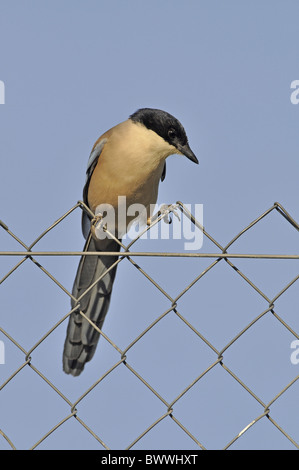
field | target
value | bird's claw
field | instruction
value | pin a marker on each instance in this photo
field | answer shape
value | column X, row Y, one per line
column 165, row 210
column 96, row 224
column 169, row 209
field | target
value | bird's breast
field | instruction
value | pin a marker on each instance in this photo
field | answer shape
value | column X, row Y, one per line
column 137, row 182
column 131, row 165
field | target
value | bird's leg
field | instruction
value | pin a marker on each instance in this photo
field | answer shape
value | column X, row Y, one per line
column 165, row 210
column 168, row 209
column 95, row 224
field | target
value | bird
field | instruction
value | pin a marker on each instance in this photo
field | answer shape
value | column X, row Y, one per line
column 128, row 160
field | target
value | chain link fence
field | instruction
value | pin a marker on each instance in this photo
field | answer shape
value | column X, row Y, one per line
column 28, row 254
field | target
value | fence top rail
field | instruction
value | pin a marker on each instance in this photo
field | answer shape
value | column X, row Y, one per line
column 149, row 253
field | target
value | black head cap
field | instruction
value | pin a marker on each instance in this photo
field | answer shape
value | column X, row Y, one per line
column 167, row 127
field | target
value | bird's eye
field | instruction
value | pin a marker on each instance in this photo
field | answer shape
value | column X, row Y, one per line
column 171, row 133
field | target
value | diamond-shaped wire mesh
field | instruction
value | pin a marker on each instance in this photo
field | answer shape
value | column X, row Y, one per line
column 171, row 306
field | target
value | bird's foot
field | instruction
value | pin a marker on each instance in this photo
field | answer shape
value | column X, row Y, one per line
column 165, row 210
column 96, row 224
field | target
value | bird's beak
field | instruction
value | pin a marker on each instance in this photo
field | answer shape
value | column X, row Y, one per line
column 186, row 150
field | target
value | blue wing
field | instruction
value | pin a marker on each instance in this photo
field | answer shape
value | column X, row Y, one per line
column 92, row 162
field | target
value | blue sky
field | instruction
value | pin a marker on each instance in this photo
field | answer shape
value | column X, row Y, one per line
column 74, row 69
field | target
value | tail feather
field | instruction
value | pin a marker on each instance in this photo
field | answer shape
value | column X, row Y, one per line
column 82, row 338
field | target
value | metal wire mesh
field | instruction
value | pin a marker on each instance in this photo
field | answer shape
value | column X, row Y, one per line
column 221, row 255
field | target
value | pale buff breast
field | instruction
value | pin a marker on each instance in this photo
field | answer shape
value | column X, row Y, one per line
column 130, row 165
